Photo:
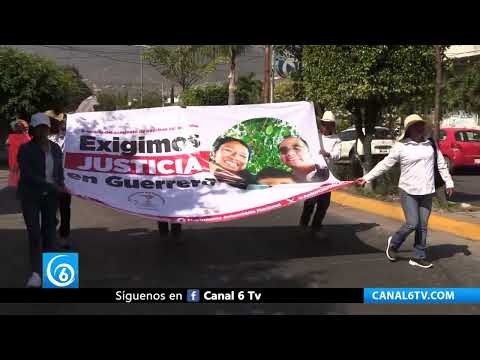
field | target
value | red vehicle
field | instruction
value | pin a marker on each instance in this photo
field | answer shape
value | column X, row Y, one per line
column 460, row 147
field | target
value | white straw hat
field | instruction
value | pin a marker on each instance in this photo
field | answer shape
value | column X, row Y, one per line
column 409, row 121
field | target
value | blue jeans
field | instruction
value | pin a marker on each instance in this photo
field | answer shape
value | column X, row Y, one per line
column 417, row 209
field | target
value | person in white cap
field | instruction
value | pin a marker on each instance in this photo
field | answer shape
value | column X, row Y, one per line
column 41, row 178
column 419, row 159
column 58, row 122
column 330, row 150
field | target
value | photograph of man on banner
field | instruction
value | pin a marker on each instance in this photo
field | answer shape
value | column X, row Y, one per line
column 294, row 153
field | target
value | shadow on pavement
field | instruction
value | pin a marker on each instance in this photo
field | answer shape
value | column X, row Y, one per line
column 9, row 204
column 216, row 257
column 467, row 171
column 437, row 252
column 465, row 197
column 244, row 257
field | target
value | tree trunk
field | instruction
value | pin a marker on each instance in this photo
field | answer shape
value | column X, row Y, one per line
column 440, row 192
column 172, row 95
column 232, row 81
column 438, row 90
column 368, row 119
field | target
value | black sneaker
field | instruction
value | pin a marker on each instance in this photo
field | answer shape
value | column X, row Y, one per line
column 421, row 262
column 391, row 252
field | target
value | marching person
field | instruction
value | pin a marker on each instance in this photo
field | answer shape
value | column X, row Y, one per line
column 175, row 229
column 41, row 178
column 330, row 150
column 295, row 153
column 16, row 139
column 416, row 155
column 58, row 123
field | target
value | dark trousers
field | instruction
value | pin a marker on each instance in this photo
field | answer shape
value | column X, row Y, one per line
column 64, row 203
column 40, row 215
column 322, row 202
column 163, row 228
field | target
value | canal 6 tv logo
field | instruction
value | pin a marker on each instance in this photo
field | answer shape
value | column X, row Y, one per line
column 60, row 270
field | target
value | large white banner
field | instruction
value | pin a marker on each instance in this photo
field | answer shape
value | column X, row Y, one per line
column 197, row 164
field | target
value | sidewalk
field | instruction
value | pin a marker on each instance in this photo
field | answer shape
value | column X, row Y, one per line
column 459, row 224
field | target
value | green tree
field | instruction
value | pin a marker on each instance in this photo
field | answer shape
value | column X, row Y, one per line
column 462, row 89
column 185, row 64
column 83, row 92
column 366, row 80
column 112, row 101
column 210, row 94
column 228, row 54
column 288, row 90
column 30, row 83
column 249, row 91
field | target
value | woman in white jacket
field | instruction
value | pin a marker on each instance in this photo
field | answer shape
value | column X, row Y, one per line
column 415, row 153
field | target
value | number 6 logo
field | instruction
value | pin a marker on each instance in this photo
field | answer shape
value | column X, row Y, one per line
column 66, row 275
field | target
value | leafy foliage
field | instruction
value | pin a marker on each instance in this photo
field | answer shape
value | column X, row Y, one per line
column 227, row 54
column 76, row 98
column 211, row 94
column 348, row 76
column 185, row 64
column 263, row 136
column 30, row 83
column 366, row 80
column 248, row 92
column 462, row 90
column 288, row 90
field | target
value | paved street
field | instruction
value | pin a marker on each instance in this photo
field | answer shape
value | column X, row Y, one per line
column 118, row 250
column 467, row 183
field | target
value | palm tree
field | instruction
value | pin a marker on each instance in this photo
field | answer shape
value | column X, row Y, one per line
column 229, row 53
column 184, row 64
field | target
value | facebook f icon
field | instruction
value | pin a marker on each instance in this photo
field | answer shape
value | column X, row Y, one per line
column 193, row 295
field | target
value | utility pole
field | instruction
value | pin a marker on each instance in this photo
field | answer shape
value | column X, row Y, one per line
column 267, row 75
column 141, row 77
column 142, row 47
column 272, row 73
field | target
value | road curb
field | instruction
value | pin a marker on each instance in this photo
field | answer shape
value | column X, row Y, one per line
column 437, row 222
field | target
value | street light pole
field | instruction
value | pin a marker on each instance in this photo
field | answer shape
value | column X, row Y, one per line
column 272, row 72
column 142, row 47
column 141, row 77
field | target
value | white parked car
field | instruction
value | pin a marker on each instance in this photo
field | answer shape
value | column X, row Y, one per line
column 382, row 143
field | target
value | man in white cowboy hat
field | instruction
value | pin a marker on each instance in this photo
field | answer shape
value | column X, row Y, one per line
column 420, row 160
column 330, row 150
column 329, row 141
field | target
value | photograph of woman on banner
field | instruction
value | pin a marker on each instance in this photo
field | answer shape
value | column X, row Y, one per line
column 294, row 153
column 229, row 162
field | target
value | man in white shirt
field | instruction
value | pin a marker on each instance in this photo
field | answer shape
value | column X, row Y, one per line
column 330, row 150
column 417, row 156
